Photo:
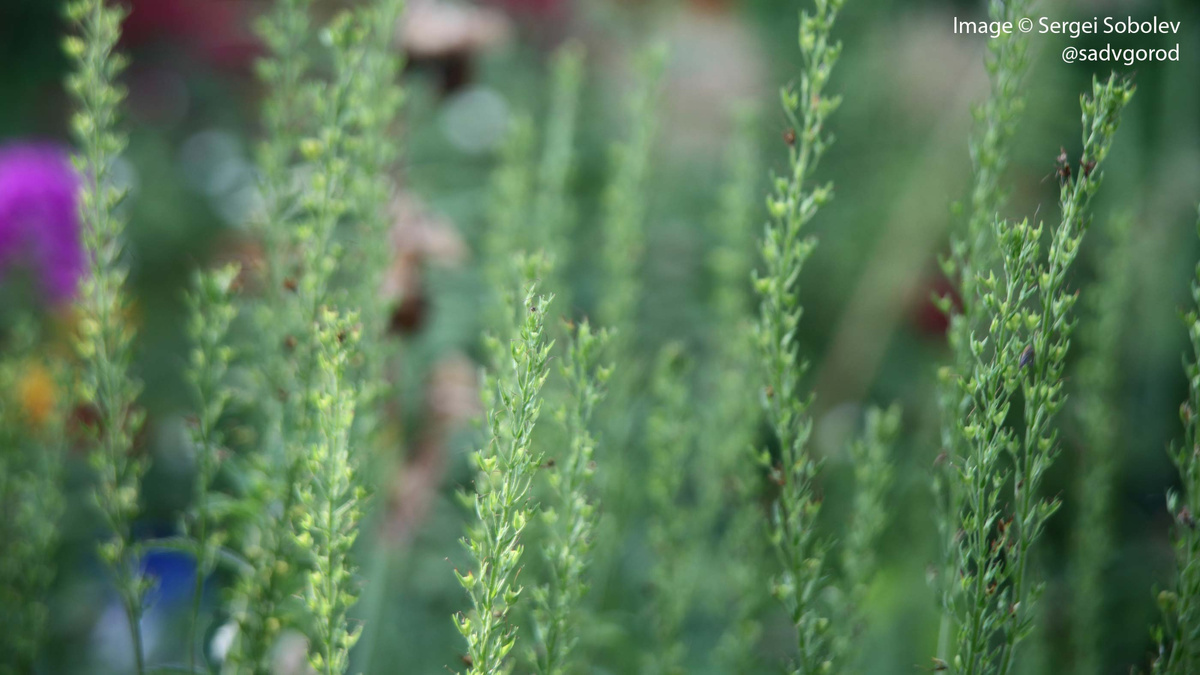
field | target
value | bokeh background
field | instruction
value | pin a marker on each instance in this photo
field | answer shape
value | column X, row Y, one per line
column 899, row 163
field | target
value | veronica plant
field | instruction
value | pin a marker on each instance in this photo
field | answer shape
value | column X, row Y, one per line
column 211, row 312
column 1098, row 411
column 106, row 333
column 784, row 251
column 1022, row 350
column 506, row 467
column 1179, row 643
column 571, row 516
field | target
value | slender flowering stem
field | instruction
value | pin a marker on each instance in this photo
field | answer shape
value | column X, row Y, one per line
column 973, row 251
column 625, row 206
column 784, row 251
column 511, row 189
column 106, row 332
column 1098, row 393
column 726, row 483
column 874, row 475
column 572, row 519
column 312, row 257
column 1023, row 349
column 623, row 224
column 211, row 312
column 506, row 466
column 1179, row 643
column 331, row 496
column 552, row 216
column 670, row 443
column 285, row 31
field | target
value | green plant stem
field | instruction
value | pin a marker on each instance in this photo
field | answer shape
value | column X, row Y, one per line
column 105, row 337
column 211, row 313
column 670, row 443
column 1023, row 348
column 973, row 252
column 506, row 468
column 571, row 520
column 1098, row 411
column 784, row 251
column 873, row 478
column 1178, row 642
column 625, row 206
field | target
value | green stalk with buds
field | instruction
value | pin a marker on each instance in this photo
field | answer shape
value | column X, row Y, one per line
column 874, row 475
column 1179, row 643
column 506, row 467
column 784, row 250
column 330, row 495
column 106, row 333
column 625, row 206
column 211, row 313
column 1022, row 350
column 332, row 191
column 973, row 251
column 571, row 517
column 1098, row 411
column 670, row 445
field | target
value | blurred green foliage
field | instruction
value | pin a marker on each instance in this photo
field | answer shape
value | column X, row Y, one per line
column 901, row 158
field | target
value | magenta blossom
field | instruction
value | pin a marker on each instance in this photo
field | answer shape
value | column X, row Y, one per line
column 39, row 219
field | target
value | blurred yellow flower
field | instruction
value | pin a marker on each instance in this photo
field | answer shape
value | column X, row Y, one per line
column 36, row 393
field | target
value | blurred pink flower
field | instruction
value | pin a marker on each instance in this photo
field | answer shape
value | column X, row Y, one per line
column 39, row 219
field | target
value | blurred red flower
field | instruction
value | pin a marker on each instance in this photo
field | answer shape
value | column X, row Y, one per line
column 928, row 319
column 217, row 31
column 530, row 6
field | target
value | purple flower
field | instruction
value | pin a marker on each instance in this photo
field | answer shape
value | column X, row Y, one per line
column 39, row 219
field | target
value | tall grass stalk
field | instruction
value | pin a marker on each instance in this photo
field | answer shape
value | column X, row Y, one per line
column 1099, row 391
column 106, row 331
column 622, row 223
column 784, row 250
column 506, row 467
column 1179, row 643
column 1022, row 351
column 571, row 516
